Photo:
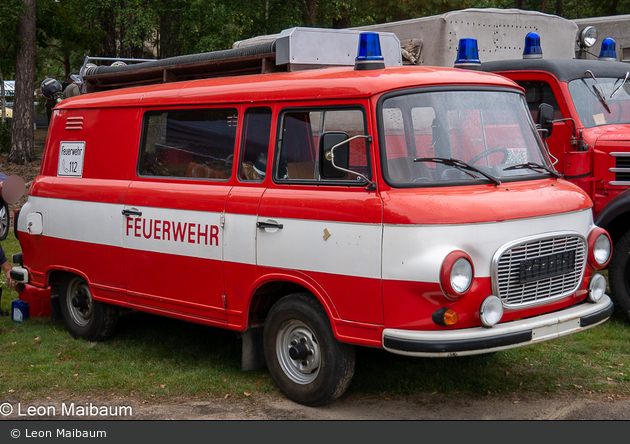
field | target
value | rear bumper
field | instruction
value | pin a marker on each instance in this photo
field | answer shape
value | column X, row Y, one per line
column 478, row 340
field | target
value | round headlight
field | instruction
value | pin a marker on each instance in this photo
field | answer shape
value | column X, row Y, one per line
column 600, row 248
column 491, row 311
column 596, row 288
column 587, row 37
column 461, row 275
column 456, row 275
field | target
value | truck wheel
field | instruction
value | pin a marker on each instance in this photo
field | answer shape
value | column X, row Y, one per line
column 84, row 317
column 306, row 361
column 5, row 220
column 619, row 275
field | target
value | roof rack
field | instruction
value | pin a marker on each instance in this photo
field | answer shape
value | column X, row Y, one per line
column 292, row 50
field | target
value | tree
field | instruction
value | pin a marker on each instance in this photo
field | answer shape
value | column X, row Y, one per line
column 22, row 150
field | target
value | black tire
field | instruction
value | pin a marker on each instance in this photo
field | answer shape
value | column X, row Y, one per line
column 84, row 317
column 5, row 220
column 297, row 325
column 619, row 275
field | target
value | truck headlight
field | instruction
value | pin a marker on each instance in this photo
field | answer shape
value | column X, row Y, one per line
column 600, row 248
column 491, row 311
column 456, row 275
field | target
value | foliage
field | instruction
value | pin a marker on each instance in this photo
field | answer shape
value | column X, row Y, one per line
column 70, row 29
column 9, row 12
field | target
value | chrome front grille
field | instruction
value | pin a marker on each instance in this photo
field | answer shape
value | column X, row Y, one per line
column 508, row 263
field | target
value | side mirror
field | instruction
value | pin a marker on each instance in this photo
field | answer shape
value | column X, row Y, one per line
column 544, row 121
column 332, row 147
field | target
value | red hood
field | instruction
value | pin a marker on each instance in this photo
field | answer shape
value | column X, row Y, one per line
column 484, row 203
column 608, row 134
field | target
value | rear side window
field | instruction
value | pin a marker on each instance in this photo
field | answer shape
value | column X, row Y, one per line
column 299, row 138
column 195, row 143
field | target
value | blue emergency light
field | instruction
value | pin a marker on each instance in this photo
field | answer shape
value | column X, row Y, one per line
column 532, row 49
column 468, row 55
column 369, row 54
column 608, row 51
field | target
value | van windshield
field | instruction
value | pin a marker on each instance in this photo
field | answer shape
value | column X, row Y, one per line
column 611, row 107
column 458, row 137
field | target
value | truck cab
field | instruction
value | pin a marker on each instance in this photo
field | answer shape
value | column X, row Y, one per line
column 590, row 141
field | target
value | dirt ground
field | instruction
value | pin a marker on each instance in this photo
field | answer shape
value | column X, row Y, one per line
column 353, row 407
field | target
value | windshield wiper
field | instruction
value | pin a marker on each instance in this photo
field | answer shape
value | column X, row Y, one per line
column 461, row 165
column 598, row 90
column 533, row 166
column 619, row 87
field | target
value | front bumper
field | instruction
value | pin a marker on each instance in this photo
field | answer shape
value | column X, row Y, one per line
column 479, row 340
column 19, row 274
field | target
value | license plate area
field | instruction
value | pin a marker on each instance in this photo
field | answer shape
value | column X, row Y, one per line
column 544, row 267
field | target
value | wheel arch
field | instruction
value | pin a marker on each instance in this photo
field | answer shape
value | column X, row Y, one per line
column 270, row 288
column 615, row 216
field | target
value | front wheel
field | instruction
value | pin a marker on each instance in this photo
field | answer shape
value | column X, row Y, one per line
column 619, row 275
column 84, row 317
column 306, row 361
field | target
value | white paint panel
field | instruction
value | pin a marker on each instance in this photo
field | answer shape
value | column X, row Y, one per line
column 351, row 249
column 239, row 238
column 105, row 224
column 189, row 233
column 416, row 253
column 93, row 222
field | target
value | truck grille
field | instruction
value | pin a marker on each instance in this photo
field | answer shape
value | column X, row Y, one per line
column 539, row 269
column 621, row 169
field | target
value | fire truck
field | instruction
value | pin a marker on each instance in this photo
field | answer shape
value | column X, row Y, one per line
column 589, row 92
column 313, row 195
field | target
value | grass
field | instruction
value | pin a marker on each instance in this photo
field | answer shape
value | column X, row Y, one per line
column 157, row 358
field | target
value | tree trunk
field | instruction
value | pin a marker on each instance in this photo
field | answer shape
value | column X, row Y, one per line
column 22, row 135
column 343, row 21
column 309, row 12
column 3, row 102
column 559, row 7
column 543, row 6
column 520, row 4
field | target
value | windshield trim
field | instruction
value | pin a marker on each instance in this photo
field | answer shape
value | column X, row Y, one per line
column 451, row 88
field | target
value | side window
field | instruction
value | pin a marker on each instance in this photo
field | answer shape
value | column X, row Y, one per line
column 537, row 92
column 299, row 137
column 255, row 145
column 195, row 143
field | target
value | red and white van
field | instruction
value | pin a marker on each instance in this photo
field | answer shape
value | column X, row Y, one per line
column 408, row 208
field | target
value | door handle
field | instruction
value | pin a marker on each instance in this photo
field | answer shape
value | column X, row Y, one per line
column 131, row 213
column 269, row 225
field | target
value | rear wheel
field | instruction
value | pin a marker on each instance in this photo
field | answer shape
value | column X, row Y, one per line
column 84, row 317
column 306, row 361
column 619, row 275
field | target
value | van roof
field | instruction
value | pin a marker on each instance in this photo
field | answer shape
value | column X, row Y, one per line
column 326, row 83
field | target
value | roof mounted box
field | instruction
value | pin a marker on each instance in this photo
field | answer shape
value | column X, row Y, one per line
column 305, row 48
